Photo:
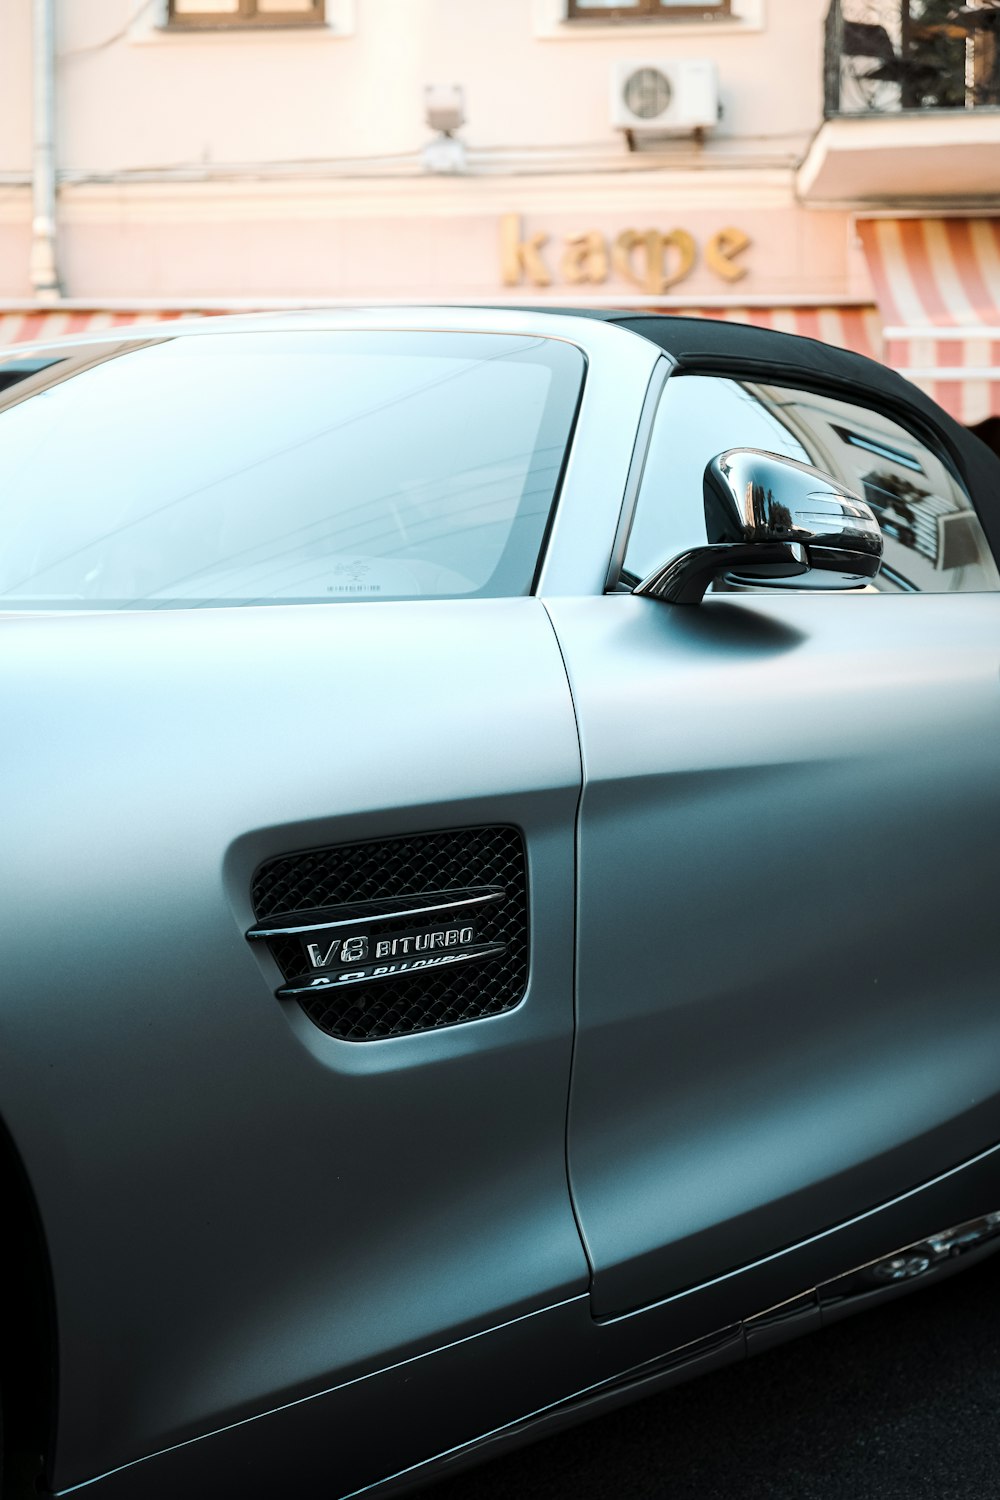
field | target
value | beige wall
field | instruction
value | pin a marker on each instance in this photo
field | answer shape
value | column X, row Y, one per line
column 152, row 99
column 15, row 88
column 288, row 163
column 442, row 240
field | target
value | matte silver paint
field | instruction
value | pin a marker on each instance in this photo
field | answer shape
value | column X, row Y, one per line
column 547, row 1369
column 261, row 1236
column 238, row 1208
column 795, row 1010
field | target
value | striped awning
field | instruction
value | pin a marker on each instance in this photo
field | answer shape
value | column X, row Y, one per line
column 938, row 287
column 35, row 326
column 852, row 327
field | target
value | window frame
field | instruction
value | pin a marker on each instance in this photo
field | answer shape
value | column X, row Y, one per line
column 246, row 17
column 645, row 11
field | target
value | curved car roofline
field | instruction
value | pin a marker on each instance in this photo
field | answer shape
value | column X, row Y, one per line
column 447, row 317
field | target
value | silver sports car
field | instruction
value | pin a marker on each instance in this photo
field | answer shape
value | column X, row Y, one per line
column 500, row 814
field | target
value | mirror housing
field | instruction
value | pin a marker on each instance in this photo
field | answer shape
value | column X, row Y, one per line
column 770, row 519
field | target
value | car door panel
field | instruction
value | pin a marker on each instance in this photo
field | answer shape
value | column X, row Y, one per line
column 365, row 1200
column 786, row 953
column 532, row 1375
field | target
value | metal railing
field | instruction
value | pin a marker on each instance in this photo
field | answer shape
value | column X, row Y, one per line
column 888, row 56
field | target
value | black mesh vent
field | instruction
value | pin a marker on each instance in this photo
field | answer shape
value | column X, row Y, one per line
column 300, row 884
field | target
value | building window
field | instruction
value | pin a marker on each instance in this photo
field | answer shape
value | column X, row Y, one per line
column 246, row 12
column 647, row 10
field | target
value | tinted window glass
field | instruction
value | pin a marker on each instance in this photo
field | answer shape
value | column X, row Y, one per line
column 230, row 468
column 932, row 536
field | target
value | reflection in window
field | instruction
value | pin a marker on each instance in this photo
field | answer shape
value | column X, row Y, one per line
column 253, row 468
column 905, row 512
column 932, row 537
column 896, row 455
column 697, row 419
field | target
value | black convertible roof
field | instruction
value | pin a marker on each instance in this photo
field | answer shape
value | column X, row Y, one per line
column 712, row 346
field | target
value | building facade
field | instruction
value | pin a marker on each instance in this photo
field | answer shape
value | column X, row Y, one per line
column 832, row 169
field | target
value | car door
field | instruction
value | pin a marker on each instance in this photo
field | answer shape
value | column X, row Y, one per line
column 786, row 957
column 263, row 1171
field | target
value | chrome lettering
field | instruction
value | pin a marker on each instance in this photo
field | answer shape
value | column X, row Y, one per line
column 359, row 949
column 451, row 937
column 381, row 971
column 351, row 950
column 322, row 960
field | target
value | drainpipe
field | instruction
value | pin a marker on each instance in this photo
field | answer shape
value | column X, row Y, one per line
column 42, row 265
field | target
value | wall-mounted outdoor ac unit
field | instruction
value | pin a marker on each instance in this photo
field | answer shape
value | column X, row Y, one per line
column 664, row 98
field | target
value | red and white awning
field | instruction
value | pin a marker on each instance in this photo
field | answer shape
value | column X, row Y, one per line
column 855, row 327
column 938, row 287
column 40, row 326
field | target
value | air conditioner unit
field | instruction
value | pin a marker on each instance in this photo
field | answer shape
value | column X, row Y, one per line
column 664, row 98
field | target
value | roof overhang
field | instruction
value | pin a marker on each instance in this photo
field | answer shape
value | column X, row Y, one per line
column 929, row 157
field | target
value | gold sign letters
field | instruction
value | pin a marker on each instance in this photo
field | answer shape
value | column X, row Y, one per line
column 648, row 259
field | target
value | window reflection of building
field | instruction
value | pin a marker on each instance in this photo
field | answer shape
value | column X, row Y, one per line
column 933, row 539
column 928, row 526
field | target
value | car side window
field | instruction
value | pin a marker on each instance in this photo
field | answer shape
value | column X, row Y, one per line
column 932, row 535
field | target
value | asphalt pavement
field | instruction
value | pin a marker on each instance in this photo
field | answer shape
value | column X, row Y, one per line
column 899, row 1403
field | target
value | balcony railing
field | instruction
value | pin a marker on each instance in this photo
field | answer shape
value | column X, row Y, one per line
column 888, row 56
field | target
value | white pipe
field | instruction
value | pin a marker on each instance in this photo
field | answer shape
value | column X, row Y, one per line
column 43, row 264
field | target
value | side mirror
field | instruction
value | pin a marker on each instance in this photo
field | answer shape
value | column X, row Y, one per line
column 769, row 519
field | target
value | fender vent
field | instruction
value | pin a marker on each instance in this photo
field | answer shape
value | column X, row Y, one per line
column 395, row 936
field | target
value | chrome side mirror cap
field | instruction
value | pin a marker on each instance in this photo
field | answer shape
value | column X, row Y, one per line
column 769, row 520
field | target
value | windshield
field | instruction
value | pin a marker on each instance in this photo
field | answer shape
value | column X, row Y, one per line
column 253, row 468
